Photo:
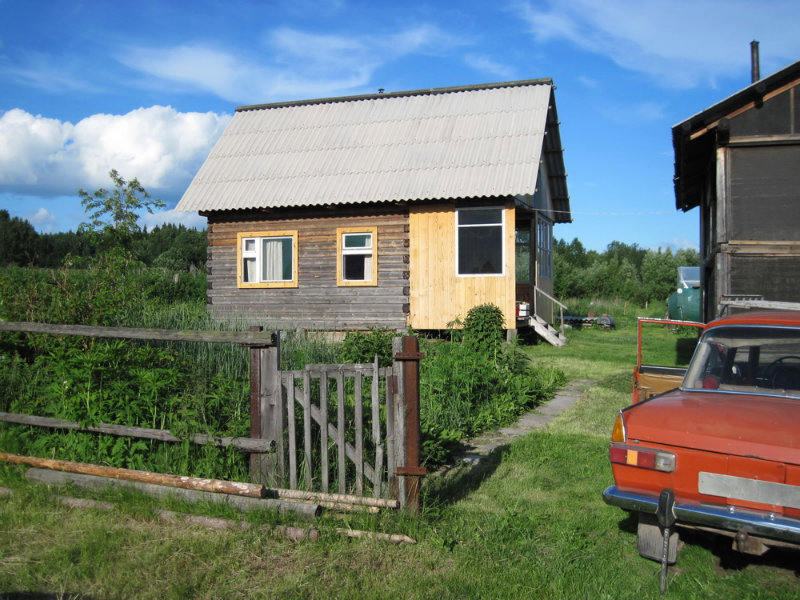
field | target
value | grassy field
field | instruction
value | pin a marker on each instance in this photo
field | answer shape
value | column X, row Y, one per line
column 529, row 522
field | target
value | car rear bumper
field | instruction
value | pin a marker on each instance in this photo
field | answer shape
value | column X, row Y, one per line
column 726, row 518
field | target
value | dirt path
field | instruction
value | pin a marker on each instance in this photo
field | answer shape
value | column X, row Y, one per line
column 476, row 449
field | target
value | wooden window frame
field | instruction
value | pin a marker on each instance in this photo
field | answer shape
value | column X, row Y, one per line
column 340, row 280
column 502, row 226
column 241, row 236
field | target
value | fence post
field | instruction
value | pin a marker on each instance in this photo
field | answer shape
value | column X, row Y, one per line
column 408, row 438
column 266, row 410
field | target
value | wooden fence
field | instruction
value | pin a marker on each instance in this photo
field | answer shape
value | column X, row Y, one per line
column 298, row 419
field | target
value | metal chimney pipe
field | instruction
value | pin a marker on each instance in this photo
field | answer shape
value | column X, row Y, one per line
column 755, row 71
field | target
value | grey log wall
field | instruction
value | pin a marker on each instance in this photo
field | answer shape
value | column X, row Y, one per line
column 317, row 302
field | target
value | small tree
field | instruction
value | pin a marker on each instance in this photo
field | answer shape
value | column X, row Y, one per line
column 115, row 213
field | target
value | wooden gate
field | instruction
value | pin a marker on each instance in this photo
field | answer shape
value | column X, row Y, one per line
column 351, row 429
column 338, row 436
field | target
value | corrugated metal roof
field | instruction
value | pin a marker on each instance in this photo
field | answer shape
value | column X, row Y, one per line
column 477, row 141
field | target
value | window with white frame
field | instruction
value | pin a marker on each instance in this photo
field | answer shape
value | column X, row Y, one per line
column 357, row 264
column 479, row 241
column 268, row 259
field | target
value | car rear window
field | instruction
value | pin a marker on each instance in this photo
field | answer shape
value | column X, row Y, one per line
column 747, row 359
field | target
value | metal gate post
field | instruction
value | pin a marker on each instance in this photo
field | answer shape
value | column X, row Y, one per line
column 409, row 468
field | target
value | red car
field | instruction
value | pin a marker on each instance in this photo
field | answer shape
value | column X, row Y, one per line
column 720, row 453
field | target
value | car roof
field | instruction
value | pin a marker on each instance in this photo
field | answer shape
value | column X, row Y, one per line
column 788, row 318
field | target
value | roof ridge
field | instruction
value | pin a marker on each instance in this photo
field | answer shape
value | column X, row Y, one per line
column 400, row 94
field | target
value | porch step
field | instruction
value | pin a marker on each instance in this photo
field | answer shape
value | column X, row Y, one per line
column 546, row 331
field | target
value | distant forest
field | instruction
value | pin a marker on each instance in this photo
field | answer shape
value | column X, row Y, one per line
column 172, row 247
column 622, row 271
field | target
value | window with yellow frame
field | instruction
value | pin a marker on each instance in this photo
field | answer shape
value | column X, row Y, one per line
column 357, row 256
column 266, row 259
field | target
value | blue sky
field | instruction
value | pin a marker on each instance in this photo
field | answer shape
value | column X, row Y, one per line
column 147, row 87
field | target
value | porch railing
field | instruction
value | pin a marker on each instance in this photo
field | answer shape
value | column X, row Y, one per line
column 544, row 305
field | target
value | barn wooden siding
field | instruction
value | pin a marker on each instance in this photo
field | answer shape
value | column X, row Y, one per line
column 438, row 296
column 755, row 237
column 317, row 302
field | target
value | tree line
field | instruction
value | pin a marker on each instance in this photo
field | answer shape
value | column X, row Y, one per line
column 112, row 225
column 173, row 247
column 636, row 274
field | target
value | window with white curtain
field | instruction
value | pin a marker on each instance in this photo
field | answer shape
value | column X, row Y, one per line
column 267, row 259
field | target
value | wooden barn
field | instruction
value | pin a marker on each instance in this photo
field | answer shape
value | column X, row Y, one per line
column 739, row 161
column 394, row 210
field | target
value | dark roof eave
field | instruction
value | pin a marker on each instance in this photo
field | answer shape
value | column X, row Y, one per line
column 687, row 194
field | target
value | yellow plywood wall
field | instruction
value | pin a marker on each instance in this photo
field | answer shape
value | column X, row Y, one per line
column 437, row 295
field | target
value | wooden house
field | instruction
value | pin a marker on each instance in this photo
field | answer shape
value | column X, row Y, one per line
column 391, row 210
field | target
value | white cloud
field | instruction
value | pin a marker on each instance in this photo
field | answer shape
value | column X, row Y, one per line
column 189, row 219
column 159, row 146
column 42, row 219
column 293, row 64
column 679, row 43
column 487, row 65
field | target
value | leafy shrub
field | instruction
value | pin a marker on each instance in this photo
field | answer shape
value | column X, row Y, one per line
column 362, row 347
column 483, row 327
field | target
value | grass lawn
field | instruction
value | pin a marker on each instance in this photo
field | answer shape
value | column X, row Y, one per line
column 529, row 522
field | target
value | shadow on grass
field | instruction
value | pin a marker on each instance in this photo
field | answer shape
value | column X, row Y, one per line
column 727, row 559
column 453, row 483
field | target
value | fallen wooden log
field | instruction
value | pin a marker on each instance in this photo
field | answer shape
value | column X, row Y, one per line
column 243, row 503
column 294, row 534
column 341, row 507
column 178, row 481
column 394, row 538
column 233, row 488
column 345, row 499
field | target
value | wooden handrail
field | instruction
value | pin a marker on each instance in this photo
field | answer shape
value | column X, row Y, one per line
column 561, row 306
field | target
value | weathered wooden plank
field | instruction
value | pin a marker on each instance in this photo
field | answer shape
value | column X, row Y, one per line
column 376, row 428
column 340, row 439
column 346, row 369
column 162, row 435
column 170, row 335
column 359, row 434
column 309, row 467
column 290, row 425
column 243, row 503
column 391, row 389
column 322, row 421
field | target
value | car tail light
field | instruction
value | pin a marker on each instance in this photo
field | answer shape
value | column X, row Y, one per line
column 644, row 458
column 618, row 433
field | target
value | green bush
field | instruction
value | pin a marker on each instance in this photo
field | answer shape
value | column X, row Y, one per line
column 476, row 383
column 363, row 346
